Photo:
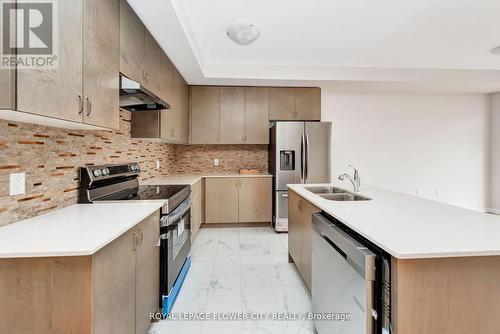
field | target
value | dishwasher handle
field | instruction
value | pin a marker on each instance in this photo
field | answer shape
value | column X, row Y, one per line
column 355, row 253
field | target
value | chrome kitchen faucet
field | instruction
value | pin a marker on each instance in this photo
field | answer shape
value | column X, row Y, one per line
column 356, row 181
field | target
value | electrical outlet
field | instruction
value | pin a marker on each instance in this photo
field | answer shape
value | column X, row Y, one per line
column 157, row 164
column 17, row 184
column 216, row 162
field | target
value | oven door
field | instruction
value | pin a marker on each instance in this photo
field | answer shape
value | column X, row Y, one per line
column 175, row 245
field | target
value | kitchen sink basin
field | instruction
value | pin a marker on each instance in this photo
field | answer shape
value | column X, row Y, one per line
column 326, row 190
column 345, row 197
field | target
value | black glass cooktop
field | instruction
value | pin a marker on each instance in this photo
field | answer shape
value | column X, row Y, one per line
column 146, row 193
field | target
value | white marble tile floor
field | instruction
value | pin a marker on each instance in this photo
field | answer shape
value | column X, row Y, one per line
column 240, row 270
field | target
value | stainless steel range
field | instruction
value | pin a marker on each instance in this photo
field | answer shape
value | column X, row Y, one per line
column 111, row 183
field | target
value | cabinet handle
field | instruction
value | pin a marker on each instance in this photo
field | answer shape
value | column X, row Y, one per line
column 80, row 104
column 134, row 241
column 89, row 107
column 141, row 238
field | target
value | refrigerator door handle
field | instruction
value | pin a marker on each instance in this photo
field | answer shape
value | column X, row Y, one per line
column 302, row 158
column 306, row 160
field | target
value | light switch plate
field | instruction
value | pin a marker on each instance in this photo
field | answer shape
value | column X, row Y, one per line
column 157, row 164
column 216, row 162
column 17, row 184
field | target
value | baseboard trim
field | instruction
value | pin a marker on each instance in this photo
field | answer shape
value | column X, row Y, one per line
column 233, row 225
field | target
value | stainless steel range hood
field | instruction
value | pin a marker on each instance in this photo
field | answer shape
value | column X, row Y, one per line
column 135, row 97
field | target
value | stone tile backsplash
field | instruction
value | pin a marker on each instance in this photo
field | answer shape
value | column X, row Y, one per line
column 195, row 159
column 50, row 157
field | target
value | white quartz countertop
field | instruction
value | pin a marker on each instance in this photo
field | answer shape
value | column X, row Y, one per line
column 193, row 178
column 77, row 230
column 409, row 227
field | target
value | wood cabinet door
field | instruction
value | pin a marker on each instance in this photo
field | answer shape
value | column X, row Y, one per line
column 166, row 77
column 177, row 106
column 152, row 62
column 294, row 244
column 221, row 200
column 204, row 113
column 306, row 211
column 184, row 112
column 131, row 43
column 281, row 104
column 196, row 210
column 307, row 104
column 232, row 115
column 102, row 62
column 256, row 115
column 147, row 271
column 255, row 200
column 58, row 92
column 171, row 118
column 113, row 287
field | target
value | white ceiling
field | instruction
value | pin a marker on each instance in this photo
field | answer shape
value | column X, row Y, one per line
column 435, row 45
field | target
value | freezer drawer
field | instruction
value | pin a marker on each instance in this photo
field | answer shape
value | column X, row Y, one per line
column 281, row 198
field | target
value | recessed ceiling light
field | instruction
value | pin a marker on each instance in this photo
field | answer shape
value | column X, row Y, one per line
column 243, row 33
column 496, row 51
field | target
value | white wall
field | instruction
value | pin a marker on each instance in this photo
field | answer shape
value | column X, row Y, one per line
column 495, row 154
column 433, row 145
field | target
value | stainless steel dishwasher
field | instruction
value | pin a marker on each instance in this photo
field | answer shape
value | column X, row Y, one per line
column 346, row 283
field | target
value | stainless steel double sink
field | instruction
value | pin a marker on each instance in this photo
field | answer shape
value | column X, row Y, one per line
column 336, row 194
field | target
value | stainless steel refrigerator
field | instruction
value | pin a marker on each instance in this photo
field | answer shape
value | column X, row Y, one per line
column 300, row 152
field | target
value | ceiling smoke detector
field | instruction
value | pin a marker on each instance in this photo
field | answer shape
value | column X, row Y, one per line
column 496, row 51
column 243, row 33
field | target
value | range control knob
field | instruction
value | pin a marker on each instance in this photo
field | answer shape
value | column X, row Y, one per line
column 97, row 172
column 105, row 171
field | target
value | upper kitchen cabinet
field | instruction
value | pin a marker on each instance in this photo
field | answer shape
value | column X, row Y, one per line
column 7, row 91
column 141, row 57
column 166, row 77
column 152, row 64
column 184, row 112
column 307, row 104
column 281, row 104
column 204, row 109
column 232, row 115
column 58, row 92
column 132, row 41
column 295, row 104
column 257, row 115
column 82, row 92
column 175, row 121
column 237, row 115
column 101, row 62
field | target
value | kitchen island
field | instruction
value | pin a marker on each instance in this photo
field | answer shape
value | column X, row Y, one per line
column 445, row 260
column 87, row 268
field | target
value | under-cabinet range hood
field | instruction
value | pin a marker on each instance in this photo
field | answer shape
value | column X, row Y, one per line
column 135, row 97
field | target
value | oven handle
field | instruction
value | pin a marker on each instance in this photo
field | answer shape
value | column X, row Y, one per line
column 177, row 213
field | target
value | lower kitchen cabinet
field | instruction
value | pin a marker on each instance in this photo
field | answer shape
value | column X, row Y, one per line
column 196, row 208
column 111, row 291
column 147, row 278
column 255, row 200
column 221, row 205
column 300, row 213
column 238, row 200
